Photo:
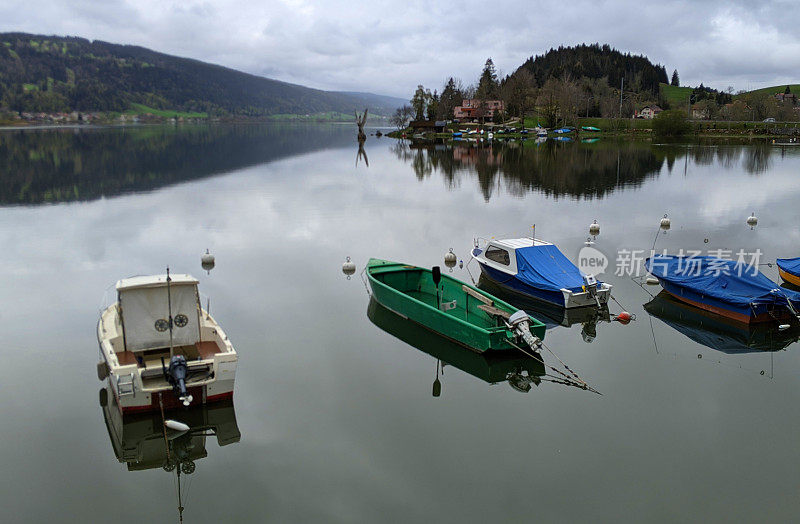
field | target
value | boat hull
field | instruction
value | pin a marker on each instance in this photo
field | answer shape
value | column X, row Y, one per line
column 789, row 278
column 143, row 402
column 492, row 367
column 451, row 327
column 717, row 332
column 557, row 298
column 748, row 315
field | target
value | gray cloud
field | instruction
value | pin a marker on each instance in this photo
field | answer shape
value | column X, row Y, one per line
column 390, row 47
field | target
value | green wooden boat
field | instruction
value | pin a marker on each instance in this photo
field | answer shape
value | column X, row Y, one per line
column 466, row 315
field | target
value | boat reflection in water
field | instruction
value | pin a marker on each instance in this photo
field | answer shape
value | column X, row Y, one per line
column 142, row 441
column 552, row 315
column 717, row 332
column 519, row 370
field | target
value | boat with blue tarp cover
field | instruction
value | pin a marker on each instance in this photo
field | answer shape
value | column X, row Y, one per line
column 725, row 287
column 540, row 270
column 789, row 269
column 553, row 316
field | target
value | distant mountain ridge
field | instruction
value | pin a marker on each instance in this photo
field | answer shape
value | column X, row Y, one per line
column 54, row 73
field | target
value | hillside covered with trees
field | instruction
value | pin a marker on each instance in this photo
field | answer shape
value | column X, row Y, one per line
column 595, row 81
column 596, row 62
column 51, row 74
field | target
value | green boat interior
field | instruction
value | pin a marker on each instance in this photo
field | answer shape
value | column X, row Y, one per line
column 455, row 299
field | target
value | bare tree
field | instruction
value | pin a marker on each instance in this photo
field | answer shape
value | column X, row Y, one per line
column 360, row 121
column 402, row 116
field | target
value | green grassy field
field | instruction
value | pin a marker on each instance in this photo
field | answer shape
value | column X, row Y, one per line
column 675, row 95
column 140, row 109
column 794, row 88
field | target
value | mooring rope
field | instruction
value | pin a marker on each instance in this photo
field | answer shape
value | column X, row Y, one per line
column 579, row 383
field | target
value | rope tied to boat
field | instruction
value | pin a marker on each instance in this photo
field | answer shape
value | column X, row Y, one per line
column 567, row 380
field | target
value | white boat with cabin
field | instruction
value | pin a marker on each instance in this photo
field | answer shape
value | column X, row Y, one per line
column 538, row 269
column 160, row 348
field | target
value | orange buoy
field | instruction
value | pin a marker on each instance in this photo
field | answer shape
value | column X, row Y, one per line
column 624, row 317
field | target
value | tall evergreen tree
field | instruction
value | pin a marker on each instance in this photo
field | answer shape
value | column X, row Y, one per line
column 433, row 106
column 488, row 86
column 450, row 98
column 675, row 80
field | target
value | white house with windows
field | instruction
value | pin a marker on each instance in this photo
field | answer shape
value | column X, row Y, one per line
column 648, row 112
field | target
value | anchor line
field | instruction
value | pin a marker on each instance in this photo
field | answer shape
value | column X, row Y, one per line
column 653, row 332
column 619, row 304
column 470, row 272
column 638, row 283
column 577, row 377
column 579, row 383
column 364, row 280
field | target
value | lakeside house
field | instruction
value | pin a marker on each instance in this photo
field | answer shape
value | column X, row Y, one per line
column 700, row 113
column 472, row 109
column 648, row 112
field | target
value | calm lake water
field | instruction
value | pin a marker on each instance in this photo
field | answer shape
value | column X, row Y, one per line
column 333, row 418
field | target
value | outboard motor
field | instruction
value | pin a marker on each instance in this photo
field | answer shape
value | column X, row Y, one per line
column 520, row 322
column 590, row 283
column 176, row 375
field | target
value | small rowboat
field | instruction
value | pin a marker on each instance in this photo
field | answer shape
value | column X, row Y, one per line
column 725, row 287
column 458, row 311
column 789, row 269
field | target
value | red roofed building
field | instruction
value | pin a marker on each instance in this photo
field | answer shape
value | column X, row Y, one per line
column 471, row 109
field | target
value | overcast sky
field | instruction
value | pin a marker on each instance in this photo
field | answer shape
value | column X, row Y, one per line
column 390, row 47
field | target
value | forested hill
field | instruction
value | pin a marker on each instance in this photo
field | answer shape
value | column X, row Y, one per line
column 51, row 73
column 596, row 61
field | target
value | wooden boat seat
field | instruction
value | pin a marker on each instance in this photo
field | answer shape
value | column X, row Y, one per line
column 483, row 298
column 495, row 311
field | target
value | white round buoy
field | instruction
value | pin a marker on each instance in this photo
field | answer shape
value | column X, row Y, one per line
column 207, row 261
column 651, row 281
column 752, row 220
column 594, row 228
column 450, row 259
column 665, row 223
column 348, row 268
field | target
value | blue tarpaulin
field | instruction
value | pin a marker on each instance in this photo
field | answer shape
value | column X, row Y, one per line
column 790, row 265
column 726, row 280
column 545, row 267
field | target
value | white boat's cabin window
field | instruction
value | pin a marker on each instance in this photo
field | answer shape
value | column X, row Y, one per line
column 496, row 254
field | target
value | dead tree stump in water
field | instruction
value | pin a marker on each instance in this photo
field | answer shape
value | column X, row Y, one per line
column 360, row 121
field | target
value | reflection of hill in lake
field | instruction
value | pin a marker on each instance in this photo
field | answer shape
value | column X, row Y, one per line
column 570, row 169
column 41, row 166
